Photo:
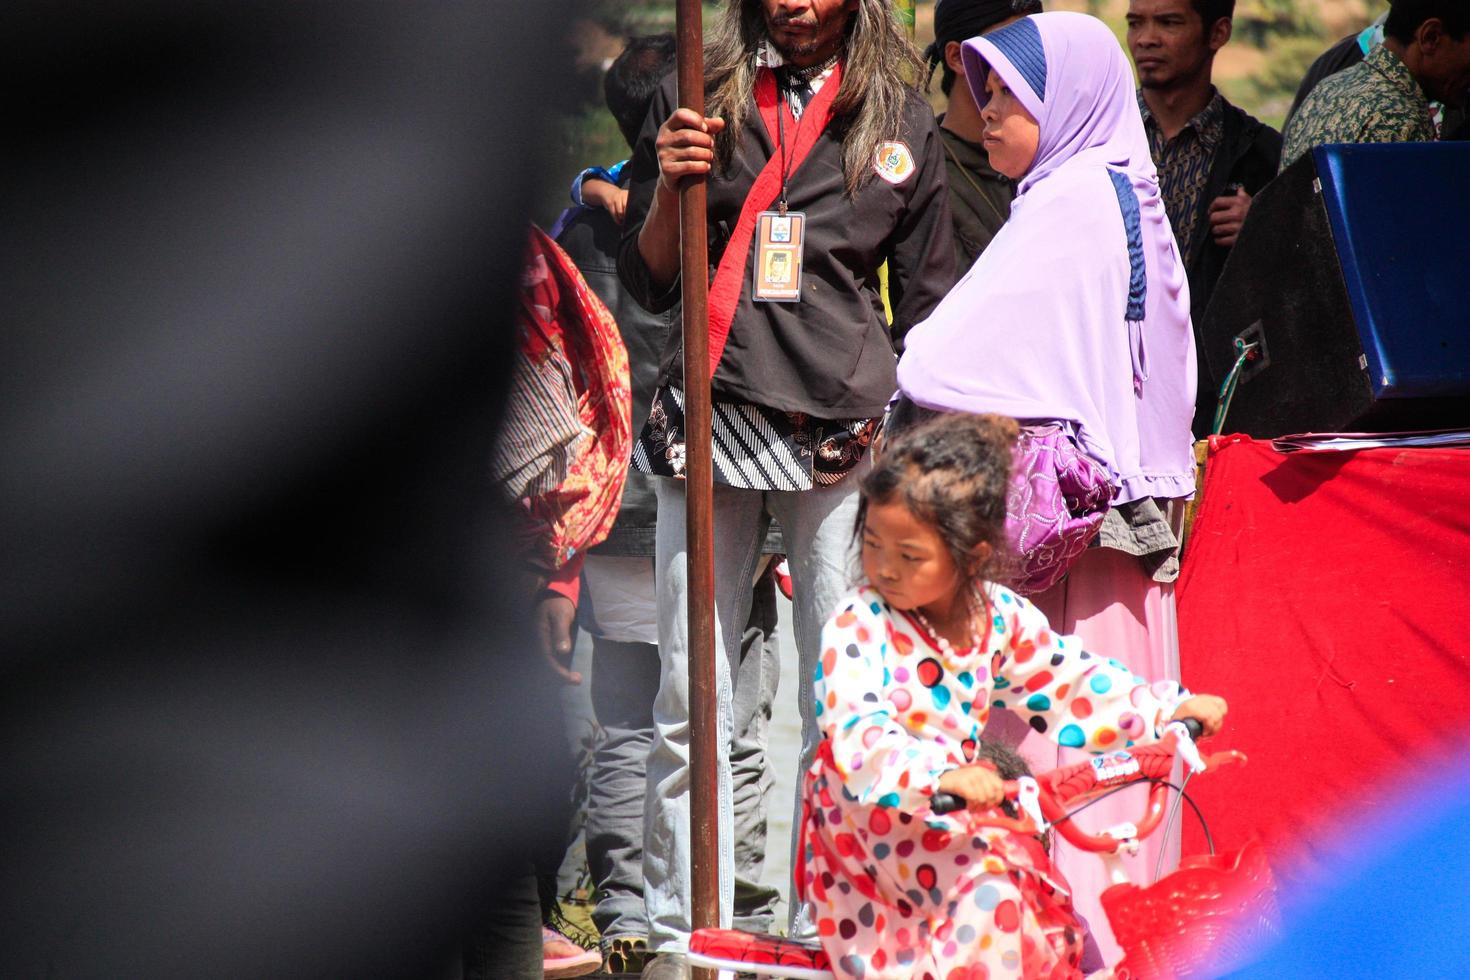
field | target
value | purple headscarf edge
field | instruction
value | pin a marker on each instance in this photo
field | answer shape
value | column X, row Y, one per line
column 1088, row 118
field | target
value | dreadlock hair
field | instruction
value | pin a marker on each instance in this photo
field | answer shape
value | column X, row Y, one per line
column 880, row 73
column 1009, row 764
column 952, row 473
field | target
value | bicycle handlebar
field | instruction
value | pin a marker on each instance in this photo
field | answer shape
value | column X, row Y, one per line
column 1069, row 784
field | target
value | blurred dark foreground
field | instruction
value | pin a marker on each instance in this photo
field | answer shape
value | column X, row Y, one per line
column 266, row 708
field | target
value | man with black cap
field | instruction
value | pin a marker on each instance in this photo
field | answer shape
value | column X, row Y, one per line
column 979, row 197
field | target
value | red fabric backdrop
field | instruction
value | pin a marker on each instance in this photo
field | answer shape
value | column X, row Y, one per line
column 1325, row 595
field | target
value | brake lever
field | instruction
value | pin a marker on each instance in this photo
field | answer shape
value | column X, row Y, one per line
column 1184, row 745
column 1028, row 796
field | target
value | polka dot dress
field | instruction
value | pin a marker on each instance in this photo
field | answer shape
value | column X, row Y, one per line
column 901, row 893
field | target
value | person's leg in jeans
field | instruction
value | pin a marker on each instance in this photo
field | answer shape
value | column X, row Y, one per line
column 619, row 610
column 624, row 684
column 756, row 678
column 818, row 526
column 739, row 523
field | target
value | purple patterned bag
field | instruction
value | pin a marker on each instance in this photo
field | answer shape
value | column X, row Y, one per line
column 1055, row 505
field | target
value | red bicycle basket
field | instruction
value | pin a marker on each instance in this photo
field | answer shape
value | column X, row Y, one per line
column 1198, row 921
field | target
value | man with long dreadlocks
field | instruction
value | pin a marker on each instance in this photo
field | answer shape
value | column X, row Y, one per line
column 823, row 162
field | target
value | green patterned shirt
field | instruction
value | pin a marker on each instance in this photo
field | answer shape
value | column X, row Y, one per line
column 1374, row 101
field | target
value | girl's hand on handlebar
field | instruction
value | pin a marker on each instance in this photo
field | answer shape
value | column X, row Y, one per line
column 1207, row 709
column 979, row 786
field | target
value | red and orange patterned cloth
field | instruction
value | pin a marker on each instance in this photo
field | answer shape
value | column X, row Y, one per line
column 563, row 329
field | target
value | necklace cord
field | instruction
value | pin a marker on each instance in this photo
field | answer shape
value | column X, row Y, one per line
column 781, row 111
column 787, row 79
column 939, row 640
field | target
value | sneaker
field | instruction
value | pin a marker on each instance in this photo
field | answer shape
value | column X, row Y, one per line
column 624, row 954
column 560, row 957
column 575, row 929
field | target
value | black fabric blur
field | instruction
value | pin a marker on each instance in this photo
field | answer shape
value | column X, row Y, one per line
column 905, row 414
column 267, row 703
column 979, row 197
column 831, row 355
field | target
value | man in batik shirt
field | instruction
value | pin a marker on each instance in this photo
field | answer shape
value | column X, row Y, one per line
column 1212, row 157
column 1385, row 98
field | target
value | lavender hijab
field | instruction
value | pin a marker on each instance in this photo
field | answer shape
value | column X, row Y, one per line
column 1079, row 308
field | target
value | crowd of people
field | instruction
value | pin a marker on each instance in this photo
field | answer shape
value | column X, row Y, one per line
column 903, row 312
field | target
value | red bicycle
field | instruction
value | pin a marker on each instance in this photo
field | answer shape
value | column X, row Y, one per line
column 1193, row 920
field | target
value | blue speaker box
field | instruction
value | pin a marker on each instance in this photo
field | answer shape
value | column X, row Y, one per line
column 1352, row 277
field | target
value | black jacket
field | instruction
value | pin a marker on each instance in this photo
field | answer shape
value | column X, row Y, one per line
column 832, row 354
column 1248, row 154
column 979, row 197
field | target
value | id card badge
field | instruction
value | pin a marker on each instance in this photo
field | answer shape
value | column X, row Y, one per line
column 778, row 244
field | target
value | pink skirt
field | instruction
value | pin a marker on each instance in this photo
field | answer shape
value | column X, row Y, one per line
column 1119, row 612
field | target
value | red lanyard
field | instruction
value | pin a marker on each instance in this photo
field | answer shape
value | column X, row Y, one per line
column 724, row 293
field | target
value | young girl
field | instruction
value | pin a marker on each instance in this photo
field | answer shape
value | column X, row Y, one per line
column 912, row 664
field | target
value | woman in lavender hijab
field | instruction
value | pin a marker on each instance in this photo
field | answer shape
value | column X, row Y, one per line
column 1079, row 312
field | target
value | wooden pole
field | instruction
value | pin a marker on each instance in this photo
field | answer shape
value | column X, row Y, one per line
column 699, row 489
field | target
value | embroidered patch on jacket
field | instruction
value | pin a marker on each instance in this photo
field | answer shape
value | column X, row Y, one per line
column 894, row 162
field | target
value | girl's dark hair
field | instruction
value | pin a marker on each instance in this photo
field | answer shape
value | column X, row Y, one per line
column 951, row 472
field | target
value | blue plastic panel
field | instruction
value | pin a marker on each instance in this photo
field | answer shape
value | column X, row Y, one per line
column 1400, row 218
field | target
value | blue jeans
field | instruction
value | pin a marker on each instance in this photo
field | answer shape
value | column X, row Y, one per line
column 625, row 679
column 817, row 525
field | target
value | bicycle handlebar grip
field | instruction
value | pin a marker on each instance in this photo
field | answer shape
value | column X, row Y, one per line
column 946, row 803
column 1193, row 727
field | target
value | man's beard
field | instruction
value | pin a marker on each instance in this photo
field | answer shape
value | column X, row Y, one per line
column 809, row 44
column 799, row 49
column 1176, row 75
